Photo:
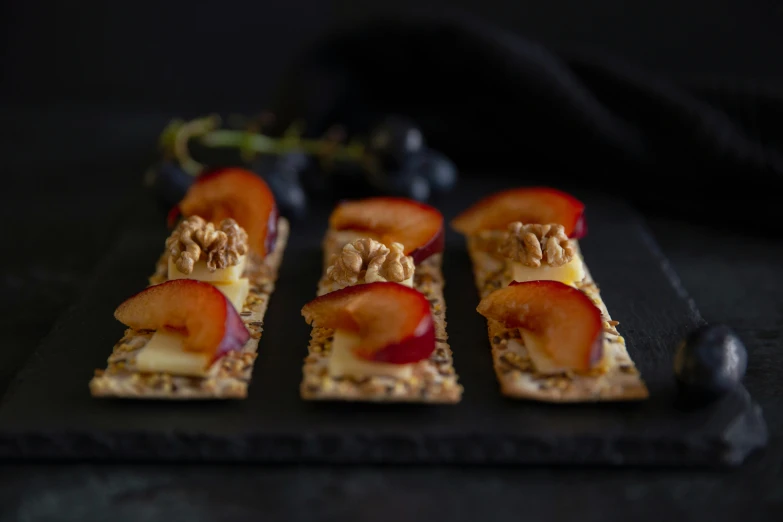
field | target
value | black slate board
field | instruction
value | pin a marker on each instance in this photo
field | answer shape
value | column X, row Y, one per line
column 48, row 412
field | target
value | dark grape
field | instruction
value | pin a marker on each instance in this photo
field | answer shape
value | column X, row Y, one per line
column 295, row 161
column 417, row 187
column 434, row 167
column 289, row 194
column 283, row 177
column 170, row 183
column 314, row 177
column 394, row 140
column 710, row 362
column 401, row 183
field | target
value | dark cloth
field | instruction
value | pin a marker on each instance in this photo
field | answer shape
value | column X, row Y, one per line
column 712, row 152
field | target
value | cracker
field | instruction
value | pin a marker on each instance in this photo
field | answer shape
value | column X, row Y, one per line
column 226, row 379
column 517, row 377
column 433, row 381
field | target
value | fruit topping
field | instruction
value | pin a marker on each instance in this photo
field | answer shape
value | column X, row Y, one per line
column 238, row 194
column 564, row 320
column 535, row 205
column 198, row 310
column 393, row 321
column 709, row 362
column 417, row 226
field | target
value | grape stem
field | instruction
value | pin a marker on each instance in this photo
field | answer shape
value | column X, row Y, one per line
column 176, row 135
column 259, row 143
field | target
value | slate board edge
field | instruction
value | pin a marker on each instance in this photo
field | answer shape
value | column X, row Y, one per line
column 748, row 432
column 668, row 269
column 478, row 449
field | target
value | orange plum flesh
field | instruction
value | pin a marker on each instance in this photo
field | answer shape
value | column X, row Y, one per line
column 534, row 205
column 566, row 319
column 393, row 321
column 417, row 226
column 238, row 194
column 198, row 310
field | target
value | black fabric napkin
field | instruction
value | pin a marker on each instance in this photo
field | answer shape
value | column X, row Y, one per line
column 495, row 101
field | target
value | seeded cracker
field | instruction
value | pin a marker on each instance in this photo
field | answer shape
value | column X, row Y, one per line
column 434, row 380
column 229, row 378
column 621, row 380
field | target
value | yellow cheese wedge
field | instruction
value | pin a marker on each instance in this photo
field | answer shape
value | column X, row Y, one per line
column 201, row 272
column 236, row 292
column 343, row 363
column 164, row 353
column 570, row 273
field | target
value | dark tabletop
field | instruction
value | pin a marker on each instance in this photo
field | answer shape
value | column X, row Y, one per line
column 59, row 208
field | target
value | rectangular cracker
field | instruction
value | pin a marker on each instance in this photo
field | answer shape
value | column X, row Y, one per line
column 227, row 379
column 517, row 377
column 433, row 381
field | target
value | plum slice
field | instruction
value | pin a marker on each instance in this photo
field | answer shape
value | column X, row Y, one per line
column 393, row 321
column 199, row 311
column 530, row 205
column 238, row 194
column 417, row 226
column 561, row 317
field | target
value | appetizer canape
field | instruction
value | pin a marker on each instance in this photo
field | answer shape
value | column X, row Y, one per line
column 193, row 333
column 379, row 326
column 551, row 335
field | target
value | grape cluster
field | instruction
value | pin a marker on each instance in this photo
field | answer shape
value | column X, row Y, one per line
column 393, row 160
column 400, row 163
column 170, row 182
column 283, row 173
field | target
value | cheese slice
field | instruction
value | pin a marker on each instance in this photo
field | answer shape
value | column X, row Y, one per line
column 164, row 352
column 539, row 356
column 570, row 273
column 236, row 292
column 408, row 282
column 201, row 272
column 343, row 363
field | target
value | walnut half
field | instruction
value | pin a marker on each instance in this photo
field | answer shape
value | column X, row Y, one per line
column 366, row 260
column 533, row 244
column 195, row 239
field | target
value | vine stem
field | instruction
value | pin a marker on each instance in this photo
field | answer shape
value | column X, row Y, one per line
column 267, row 145
column 182, row 133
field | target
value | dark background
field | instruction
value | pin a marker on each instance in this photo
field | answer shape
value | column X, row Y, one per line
column 85, row 88
column 229, row 55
